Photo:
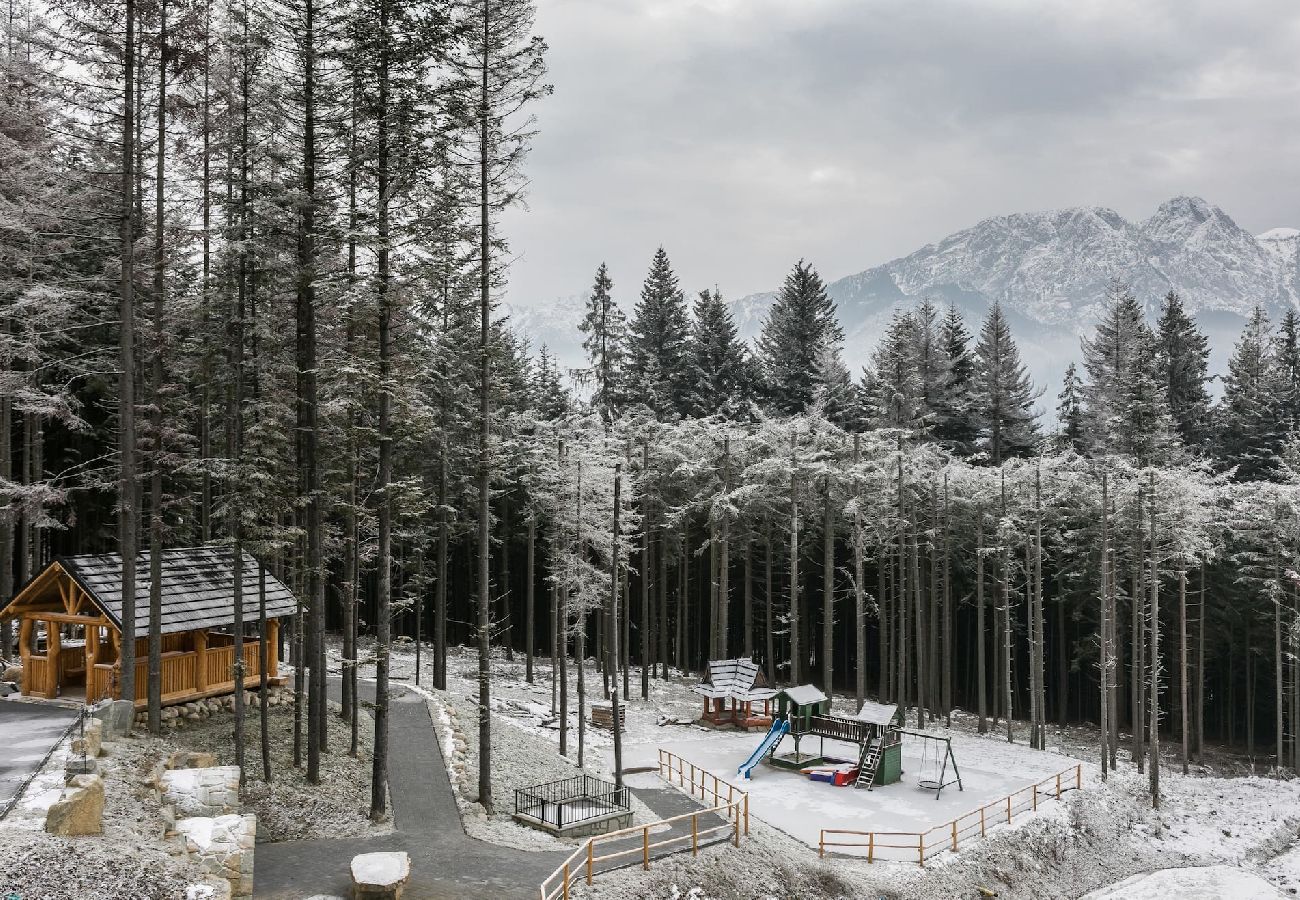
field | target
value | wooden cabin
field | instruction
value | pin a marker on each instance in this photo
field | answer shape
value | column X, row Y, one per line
column 730, row 689
column 70, row 626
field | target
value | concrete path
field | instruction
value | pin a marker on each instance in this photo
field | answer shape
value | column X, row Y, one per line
column 445, row 862
column 28, row 731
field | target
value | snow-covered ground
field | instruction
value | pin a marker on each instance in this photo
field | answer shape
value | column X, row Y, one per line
column 1094, row 838
column 801, row 807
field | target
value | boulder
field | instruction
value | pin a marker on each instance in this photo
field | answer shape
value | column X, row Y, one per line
column 75, row 766
column 380, row 876
column 116, row 716
column 190, row 759
column 88, row 742
column 212, row 791
column 223, row 846
column 80, row 810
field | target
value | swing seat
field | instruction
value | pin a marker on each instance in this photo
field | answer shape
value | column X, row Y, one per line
column 929, row 785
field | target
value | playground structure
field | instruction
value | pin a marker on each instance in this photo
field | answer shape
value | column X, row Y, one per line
column 804, row 711
column 741, row 683
column 934, row 764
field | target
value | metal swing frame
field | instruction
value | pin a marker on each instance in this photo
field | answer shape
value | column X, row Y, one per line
column 931, row 784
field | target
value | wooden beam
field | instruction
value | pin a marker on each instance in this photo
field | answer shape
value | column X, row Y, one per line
column 65, row 619
column 201, row 659
column 273, row 648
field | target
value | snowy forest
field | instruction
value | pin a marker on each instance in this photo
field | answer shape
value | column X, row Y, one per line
column 252, row 258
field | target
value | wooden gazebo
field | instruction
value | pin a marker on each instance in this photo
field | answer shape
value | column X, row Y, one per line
column 730, row 689
column 70, row 625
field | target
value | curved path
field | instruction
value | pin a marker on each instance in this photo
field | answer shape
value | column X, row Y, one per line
column 445, row 862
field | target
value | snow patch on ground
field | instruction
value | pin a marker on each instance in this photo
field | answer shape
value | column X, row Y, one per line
column 1224, row 882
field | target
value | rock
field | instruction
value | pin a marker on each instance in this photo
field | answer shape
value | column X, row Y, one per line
column 80, row 810
column 210, row 791
column 77, row 766
column 380, row 876
column 210, row 888
column 87, row 743
column 189, row 759
column 224, row 847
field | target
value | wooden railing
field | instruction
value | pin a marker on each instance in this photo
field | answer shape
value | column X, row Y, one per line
column 948, row 836
column 734, row 811
column 39, row 679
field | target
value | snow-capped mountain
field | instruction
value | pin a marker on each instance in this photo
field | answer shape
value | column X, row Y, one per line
column 553, row 325
column 1050, row 270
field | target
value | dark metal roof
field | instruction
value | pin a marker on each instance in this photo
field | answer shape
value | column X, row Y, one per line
column 198, row 588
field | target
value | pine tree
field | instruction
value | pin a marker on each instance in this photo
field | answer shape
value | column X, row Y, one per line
column 956, row 427
column 1252, row 430
column 1069, row 411
column 799, row 343
column 659, row 364
column 1182, row 362
column 720, row 383
column 1004, row 395
column 896, row 385
column 1288, row 360
column 604, row 330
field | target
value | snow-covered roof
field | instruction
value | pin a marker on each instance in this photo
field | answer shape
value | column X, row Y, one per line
column 734, row 679
column 876, row 713
column 805, row 694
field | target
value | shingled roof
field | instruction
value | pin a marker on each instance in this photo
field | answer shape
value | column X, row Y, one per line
column 198, row 588
column 735, row 679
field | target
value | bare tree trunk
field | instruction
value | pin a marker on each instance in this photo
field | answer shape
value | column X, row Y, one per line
column 126, row 490
column 1200, row 671
column 859, row 599
column 1182, row 665
column 530, row 591
column 793, row 623
column 264, row 663
column 724, row 557
column 1154, row 701
column 611, row 649
column 768, row 619
column 384, row 503
column 748, row 647
column 1103, row 628
column 828, row 592
column 154, row 688
column 981, row 675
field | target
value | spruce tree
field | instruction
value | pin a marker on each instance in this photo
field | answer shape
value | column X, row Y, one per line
column 720, row 373
column 1251, row 427
column 955, row 425
column 799, row 343
column 1183, row 354
column 1004, row 395
column 1069, row 411
column 896, row 384
column 604, row 330
column 658, row 366
column 1126, row 410
column 1288, row 360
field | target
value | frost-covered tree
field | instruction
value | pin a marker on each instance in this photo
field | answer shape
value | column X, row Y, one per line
column 1004, row 394
column 799, row 343
column 721, row 374
column 1069, row 411
column 659, row 349
column 604, row 335
column 1251, row 420
column 1182, row 363
column 956, row 426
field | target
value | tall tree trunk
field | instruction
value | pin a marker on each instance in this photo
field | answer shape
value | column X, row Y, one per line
column 1154, row 699
column 859, row 598
column 981, row 673
column 126, row 364
column 384, row 511
column 647, row 620
column 724, row 557
column 1103, row 627
column 611, row 647
column 484, row 428
column 264, row 664
column 768, row 619
column 828, row 592
column 1182, row 665
column 793, row 621
column 154, row 688
column 530, row 592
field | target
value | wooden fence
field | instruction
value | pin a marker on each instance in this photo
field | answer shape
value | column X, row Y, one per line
column 948, row 836
column 733, row 811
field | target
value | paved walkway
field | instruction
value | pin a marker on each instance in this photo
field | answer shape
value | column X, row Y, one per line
column 445, row 862
column 28, row 731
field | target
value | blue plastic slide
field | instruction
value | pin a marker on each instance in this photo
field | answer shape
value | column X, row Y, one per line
column 778, row 730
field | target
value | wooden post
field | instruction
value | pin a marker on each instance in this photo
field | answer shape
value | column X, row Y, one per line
column 982, row 821
column 645, row 848
column 695, row 835
column 273, row 648
column 747, row 815
column 737, row 828
column 821, row 843
column 1034, row 802
column 565, row 884
column 1058, row 785
column 25, row 651
column 1078, row 777
column 591, row 852
column 201, row 660
column 54, row 646
column 954, row 834
column 871, row 847
column 1008, row 808
column 920, row 850
column 91, row 651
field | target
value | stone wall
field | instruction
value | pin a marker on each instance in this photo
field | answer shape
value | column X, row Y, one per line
column 222, row 846
column 212, row 791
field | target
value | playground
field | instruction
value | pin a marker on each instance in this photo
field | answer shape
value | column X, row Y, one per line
column 791, row 801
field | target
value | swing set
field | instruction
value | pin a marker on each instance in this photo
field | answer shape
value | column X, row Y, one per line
column 935, row 763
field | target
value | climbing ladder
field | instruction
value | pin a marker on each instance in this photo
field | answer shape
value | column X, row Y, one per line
column 868, row 763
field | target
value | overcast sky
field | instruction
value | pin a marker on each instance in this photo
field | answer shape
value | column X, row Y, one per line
column 745, row 134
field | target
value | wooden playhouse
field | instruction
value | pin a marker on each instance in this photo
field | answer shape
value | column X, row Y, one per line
column 70, row 626
column 730, row 689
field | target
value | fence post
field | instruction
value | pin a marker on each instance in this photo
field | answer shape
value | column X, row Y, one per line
column 871, row 846
column 1078, row 778
column 982, row 808
column 591, row 852
column 920, row 850
column 1035, row 798
column 954, row 834
column 695, row 834
column 1008, row 807
column 736, row 810
column 1058, row 785
column 747, row 815
column 645, row 848
column 565, row 884
column 821, row 843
